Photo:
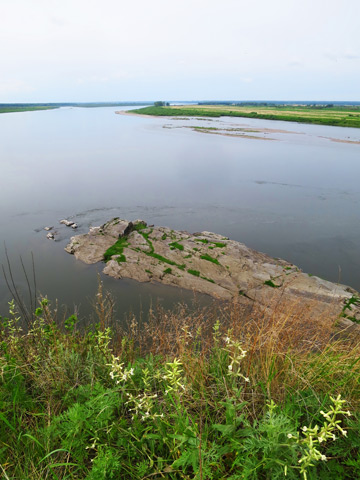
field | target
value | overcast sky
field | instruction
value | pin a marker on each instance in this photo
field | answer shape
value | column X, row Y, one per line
column 104, row 50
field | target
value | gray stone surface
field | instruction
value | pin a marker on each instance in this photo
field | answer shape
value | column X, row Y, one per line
column 212, row 264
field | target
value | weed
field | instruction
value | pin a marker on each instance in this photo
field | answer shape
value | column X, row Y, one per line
column 117, row 249
column 225, row 392
column 210, row 259
column 176, row 245
column 196, row 273
column 271, row 284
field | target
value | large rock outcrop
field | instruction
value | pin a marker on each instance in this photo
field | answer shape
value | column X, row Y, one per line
column 209, row 263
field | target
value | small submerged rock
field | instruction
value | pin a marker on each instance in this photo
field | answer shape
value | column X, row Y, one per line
column 50, row 236
column 68, row 223
column 48, row 228
column 209, row 263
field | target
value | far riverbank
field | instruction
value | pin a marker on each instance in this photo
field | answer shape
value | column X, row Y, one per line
column 340, row 116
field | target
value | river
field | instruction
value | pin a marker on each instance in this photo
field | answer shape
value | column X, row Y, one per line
column 293, row 192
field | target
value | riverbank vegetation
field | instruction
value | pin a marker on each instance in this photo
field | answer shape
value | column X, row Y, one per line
column 30, row 107
column 221, row 393
column 24, row 108
column 341, row 116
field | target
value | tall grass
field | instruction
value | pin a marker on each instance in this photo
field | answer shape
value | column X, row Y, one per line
column 217, row 393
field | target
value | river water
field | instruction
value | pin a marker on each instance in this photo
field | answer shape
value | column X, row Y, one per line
column 292, row 192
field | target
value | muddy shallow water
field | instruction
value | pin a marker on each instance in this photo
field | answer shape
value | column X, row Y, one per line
column 296, row 197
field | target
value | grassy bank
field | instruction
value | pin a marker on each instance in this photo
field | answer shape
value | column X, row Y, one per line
column 337, row 116
column 13, row 109
column 30, row 107
column 206, row 394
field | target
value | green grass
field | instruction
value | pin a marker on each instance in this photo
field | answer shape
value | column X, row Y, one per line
column 209, row 258
column 117, row 249
column 346, row 311
column 213, row 244
column 196, row 273
column 167, row 271
column 342, row 116
column 156, row 255
column 185, row 396
column 176, row 245
column 207, row 279
column 219, row 244
column 139, row 227
column 271, row 284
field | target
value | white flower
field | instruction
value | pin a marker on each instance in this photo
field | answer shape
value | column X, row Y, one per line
column 230, row 367
column 247, row 379
column 323, row 458
column 304, row 429
column 289, row 435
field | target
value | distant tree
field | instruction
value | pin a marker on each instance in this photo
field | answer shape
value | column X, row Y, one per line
column 159, row 104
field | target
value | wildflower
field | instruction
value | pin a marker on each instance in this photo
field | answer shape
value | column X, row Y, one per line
column 314, row 436
column 289, row 435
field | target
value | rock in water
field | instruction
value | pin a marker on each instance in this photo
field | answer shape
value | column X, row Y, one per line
column 209, row 263
column 68, row 223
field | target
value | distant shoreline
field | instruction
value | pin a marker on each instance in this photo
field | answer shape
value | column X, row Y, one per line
column 327, row 116
column 30, row 107
column 25, row 109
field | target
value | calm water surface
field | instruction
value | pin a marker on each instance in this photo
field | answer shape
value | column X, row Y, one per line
column 295, row 196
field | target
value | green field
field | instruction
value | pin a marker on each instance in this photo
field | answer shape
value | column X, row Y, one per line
column 341, row 116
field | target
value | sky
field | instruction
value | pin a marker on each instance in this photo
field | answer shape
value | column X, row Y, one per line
column 116, row 50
